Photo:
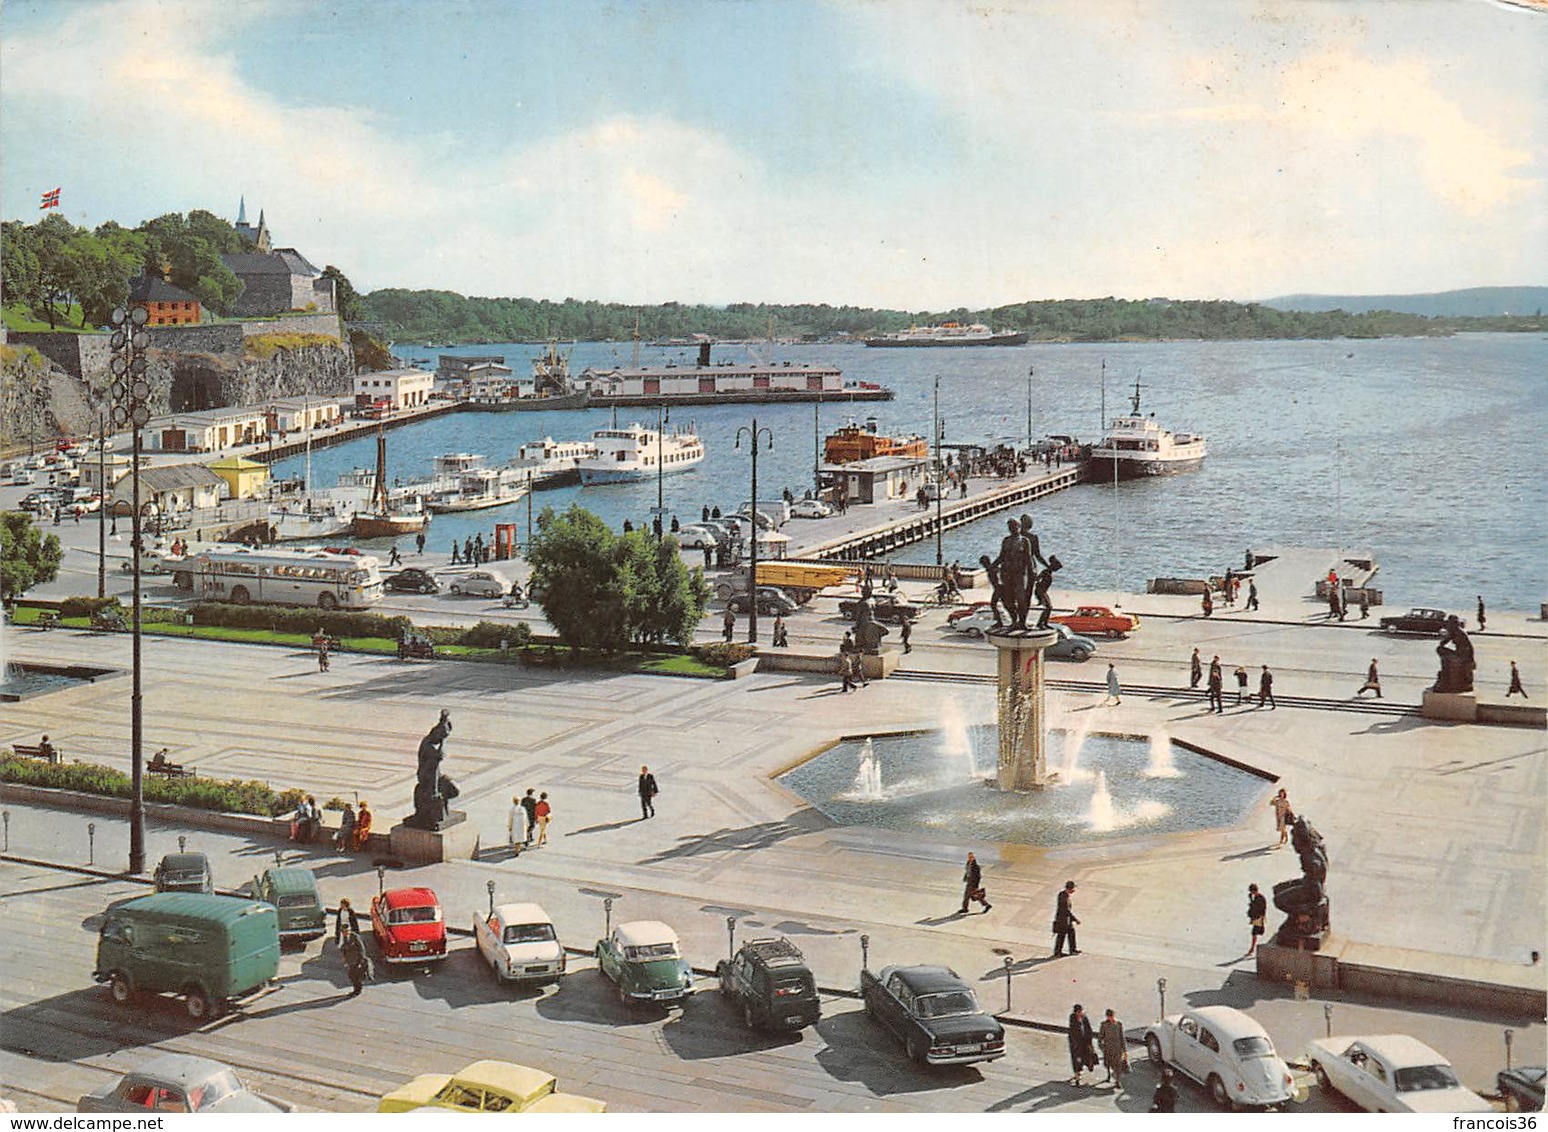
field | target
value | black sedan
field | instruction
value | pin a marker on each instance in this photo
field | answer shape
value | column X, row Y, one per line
column 1427, row 621
column 889, row 608
column 412, row 581
column 933, row 1013
column 1522, row 1088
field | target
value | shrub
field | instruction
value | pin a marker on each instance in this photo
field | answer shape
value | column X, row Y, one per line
column 86, row 606
column 160, row 615
column 225, row 795
column 724, row 653
column 489, row 634
column 286, row 619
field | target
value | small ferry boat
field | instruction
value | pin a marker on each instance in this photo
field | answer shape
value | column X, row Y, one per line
column 551, row 388
column 382, row 518
column 1137, row 446
column 950, row 334
column 553, row 463
column 461, row 481
column 626, row 455
column 856, row 442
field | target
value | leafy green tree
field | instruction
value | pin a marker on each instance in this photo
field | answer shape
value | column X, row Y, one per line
column 351, row 309
column 663, row 600
column 27, row 557
column 576, row 581
column 18, row 262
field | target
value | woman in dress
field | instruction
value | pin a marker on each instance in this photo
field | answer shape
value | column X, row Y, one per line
column 543, row 813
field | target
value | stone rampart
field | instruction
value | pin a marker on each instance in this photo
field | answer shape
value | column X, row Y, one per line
column 319, row 323
column 80, row 355
column 205, row 338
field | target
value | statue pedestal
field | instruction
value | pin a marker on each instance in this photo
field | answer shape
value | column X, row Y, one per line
column 1023, row 762
column 1453, row 707
column 456, row 840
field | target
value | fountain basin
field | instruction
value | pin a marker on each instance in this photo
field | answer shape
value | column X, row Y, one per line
column 22, row 680
column 1106, row 788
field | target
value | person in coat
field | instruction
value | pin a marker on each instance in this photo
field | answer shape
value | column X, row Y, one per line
column 355, row 961
column 973, row 885
column 345, row 920
column 542, row 813
column 1372, row 680
column 648, row 792
column 1266, row 689
column 728, row 625
column 346, row 834
column 1114, row 690
column 529, row 803
column 1082, row 1043
column 1216, row 688
column 1064, row 921
column 1195, row 670
column 516, row 825
column 1515, row 683
column 1257, row 915
column 1115, row 1048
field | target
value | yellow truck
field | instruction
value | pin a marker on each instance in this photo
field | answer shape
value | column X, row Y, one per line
column 799, row 580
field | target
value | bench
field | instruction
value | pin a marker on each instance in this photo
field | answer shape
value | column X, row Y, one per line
column 48, row 755
column 158, row 764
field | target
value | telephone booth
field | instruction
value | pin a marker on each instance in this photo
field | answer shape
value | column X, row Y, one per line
column 505, row 545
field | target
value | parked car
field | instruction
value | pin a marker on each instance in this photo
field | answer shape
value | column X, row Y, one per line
column 480, row 583
column 966, row 611
column 765, row 521
column 179, row 1082
column 212, row 950
column 1224, row 1050
column 293, row 891
column 412, row 580
column 409, row 926
column 810, row 509
column 890, row 608
column 487, row 1086
column 696, row 536
column 973, row 624
column 520, row 945
column 1521, row 1088
column 770, row 981
column 1069, row 646
column 934, row 1013
column 643, row 959
column 771, row 601
column 184, row 872
column 1427, row 621
column 1098, row 621
column 1390, row 1073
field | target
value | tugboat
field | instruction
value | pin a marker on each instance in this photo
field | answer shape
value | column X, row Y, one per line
column 380, row 520
column 854, row 442
column 551, row 388
column 1137, row 446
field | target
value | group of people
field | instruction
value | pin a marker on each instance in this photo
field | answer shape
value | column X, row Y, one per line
column 1107, row 1044
column 851, row 664
column 527, row 825
column 1215, row 687
column 1230, row 590
column 475, row 552
column 354, row 832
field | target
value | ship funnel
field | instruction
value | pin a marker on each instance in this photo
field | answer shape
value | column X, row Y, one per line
column 704, row 351
column 870, row 424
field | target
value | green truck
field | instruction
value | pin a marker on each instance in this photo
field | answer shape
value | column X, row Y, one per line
column 212, row 950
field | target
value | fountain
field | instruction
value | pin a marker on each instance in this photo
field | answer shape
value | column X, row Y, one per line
column 868, row 782
column 956, row 739
column 1162, row 765
column 21, row 680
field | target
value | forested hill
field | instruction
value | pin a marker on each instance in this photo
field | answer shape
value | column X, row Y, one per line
column 1473, row 302
column 444, row 316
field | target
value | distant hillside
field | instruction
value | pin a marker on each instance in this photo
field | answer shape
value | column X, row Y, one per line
column 1474, row 302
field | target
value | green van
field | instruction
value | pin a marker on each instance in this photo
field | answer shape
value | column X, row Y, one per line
column 210, row 949
column 293, row 890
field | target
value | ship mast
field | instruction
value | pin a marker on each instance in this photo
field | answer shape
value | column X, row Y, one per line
column 381, row 467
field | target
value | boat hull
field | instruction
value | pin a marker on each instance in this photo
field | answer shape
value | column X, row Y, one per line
column 387, row 526
column 590, row 477
column 1105, row 468
column 573, row 400
column 1017, row 339
column 451, row 507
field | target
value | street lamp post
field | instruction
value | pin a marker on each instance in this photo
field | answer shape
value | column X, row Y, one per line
column 939, row 558
column 752, row 577
column 817, row 447
column 101, row 503
column 1031, row 370
column 663, row 414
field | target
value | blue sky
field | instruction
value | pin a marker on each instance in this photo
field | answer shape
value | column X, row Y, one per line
column 907, row 153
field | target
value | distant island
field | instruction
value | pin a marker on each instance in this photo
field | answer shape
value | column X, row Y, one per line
column 447, row 317
column 1472, row 302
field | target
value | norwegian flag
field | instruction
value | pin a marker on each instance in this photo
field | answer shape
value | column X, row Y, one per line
column 50, row 199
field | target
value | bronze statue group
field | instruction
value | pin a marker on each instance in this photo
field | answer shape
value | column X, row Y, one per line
column 1015, row 581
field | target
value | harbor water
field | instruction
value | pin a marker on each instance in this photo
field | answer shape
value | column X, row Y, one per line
column 1428, row 452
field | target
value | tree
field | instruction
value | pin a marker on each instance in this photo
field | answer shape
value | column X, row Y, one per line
column 351, row 308
column 663, row 600
column 575, row 579
column 27, row 557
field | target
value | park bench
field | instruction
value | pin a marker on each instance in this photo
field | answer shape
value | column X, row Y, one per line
column 160, row 765
column 48, row 619
column 36, row 751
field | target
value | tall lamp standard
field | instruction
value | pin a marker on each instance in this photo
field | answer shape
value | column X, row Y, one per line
column 131, row 392
column 1031, row 370
column 752, row 588
column 102, row 502
column 939, row 559
column 663, row 415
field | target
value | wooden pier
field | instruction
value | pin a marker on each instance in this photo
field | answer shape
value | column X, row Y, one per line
column 295, row 444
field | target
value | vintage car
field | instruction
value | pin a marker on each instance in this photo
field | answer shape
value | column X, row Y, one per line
column 408, row 926
column 810, row 509
column 933, row 1013
column 1426, row 621
column 480, row 583
column 293, row 892
column 179, row 1082
column 184, row 872
column 1390, row 1073
column 1098, row 621
column 893, row 609
column 642, row 958
column 772, row 601
column 1069, row 646
column 487, row 1086
column 770, row 981
column 696, row 536
column 412, row 580
column 1224, row 1050
column 972, row 610
column 519, row 943
column 1521, row 1088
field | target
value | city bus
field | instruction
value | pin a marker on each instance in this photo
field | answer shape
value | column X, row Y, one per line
column 324, row 578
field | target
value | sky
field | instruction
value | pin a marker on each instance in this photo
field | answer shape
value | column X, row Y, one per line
column 913, row 154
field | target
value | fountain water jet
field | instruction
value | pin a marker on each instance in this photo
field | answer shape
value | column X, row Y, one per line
column 956, row 740
column 1162, row 764
column 1101, row 817
column 868, row 784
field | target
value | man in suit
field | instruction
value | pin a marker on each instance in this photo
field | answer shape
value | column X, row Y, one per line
column 972, row 885
column 1216, row 687
column 648, row 792
column 1065, row 921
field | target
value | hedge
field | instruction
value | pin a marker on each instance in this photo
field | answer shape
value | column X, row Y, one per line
column 724, row 654
column 86, row 606
column 222, row 794
column 285, row 619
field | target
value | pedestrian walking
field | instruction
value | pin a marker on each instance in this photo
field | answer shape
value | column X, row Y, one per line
column 847, row 671
column 781, row 632
column 1284, row 816
column 1195, row 670
column 1372, row 680
column 1335, row 606
column 1257, row 915
column 728, row 625
column 648, row 792
column 904, row 633
column 1208, row 603
column 1481, row 619
column 516, row 825
column 529, row 804
column 543, row 812
column 1515, row 683
column 1216, row 687
column 1083, row 1055
column 1365, row 603
column 345, row 920
column 709, row 555
column 1113, row 689
column 1115, row 1048
column 1241, row 683
column 456, row 559
column 393, row 558
column 1252, row 594
column 1164, row 1099
column 419, row 543
column 704, row 513
column 973, row 885
column 322, row 653
column 1065, row 921
column 1266, row 689
column 356, row 961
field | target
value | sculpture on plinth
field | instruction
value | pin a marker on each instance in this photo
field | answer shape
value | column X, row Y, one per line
column 996, row 599
column 1304, row 899
column 1015, row 569
column 1456, row 657
column 1040, row 588
column 868, row 633
column 433, row 791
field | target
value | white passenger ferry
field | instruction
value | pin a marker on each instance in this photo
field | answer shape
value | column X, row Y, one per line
column 625, row 455
column 1137, row 446
column 553, row 463
column 463, row 481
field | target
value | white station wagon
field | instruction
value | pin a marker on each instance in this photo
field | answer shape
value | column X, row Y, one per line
column 1224, row 1050
column 519, row 943
column 1391, row 1073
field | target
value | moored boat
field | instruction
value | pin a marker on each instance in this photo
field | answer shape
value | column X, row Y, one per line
column 950, row 334
column 463, row 482
column 723, row 383
column 381, row 519
column 626, row 455
column 551, row 388
column 863, row 442
column 1136, row 446
column 553, row 463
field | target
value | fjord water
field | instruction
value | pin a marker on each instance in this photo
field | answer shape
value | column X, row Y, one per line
column 1428, row 452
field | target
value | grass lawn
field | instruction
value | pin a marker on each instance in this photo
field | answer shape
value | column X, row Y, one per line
column 17, row 318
